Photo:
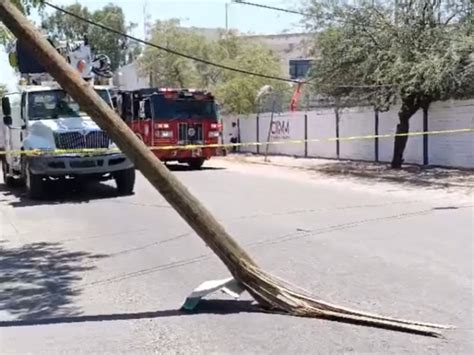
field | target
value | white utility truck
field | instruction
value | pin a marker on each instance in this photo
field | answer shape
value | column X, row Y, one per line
column 47, row 136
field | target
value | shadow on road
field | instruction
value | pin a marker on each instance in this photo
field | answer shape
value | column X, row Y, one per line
column 414, row 175
column 204, row 307
column 36, row 280
column 184, row 167
column 58, row 193
column 220, row 307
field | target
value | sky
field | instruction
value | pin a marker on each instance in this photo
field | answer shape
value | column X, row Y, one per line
column 196, row 13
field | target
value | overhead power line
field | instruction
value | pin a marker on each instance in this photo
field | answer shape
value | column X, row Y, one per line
column 340, row 20
column 201, row 60
column 269, row 7
column 169, row 50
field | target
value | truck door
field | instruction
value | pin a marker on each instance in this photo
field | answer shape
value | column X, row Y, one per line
column 14, row 132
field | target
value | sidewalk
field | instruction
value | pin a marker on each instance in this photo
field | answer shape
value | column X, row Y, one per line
column 409, row 174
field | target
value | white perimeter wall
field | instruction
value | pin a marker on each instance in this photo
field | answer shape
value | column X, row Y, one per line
column 358, row 121
column 321, row 126
column 451, row 149
column 454, row 150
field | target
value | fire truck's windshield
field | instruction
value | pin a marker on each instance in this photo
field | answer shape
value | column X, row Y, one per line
column 168, row 109
column 52, row 104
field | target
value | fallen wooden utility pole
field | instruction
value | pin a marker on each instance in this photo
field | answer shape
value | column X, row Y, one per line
column 270, row 292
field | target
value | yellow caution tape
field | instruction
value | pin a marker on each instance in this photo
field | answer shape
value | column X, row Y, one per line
column 88, row 151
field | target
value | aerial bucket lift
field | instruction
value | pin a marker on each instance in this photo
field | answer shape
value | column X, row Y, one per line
column 77, row 53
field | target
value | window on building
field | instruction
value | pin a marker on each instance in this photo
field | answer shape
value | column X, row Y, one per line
column 299, row 68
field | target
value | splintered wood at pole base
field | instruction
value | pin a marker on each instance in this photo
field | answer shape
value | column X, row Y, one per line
column 271, row 293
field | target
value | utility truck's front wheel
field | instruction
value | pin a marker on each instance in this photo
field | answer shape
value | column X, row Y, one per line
column 125, row 180
column 34, row 183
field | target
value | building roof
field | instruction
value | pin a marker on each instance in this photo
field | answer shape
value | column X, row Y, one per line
column 285, row 45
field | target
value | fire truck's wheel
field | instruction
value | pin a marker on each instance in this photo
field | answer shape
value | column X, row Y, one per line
column 125, row 180
column 34, row 184
column 7, row 180
column 196, row 164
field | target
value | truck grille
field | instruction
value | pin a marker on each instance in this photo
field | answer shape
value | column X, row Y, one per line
column 190, row 133
column 78, row 140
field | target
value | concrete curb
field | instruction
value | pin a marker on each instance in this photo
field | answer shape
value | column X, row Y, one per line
column 359, row 174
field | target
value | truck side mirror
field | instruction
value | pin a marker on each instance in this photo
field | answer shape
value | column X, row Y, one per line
column 6, row 108
column 7, row 111
column 7, row 120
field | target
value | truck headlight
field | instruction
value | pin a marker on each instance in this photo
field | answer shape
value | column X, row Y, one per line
column 214, row 134
column 163, row 134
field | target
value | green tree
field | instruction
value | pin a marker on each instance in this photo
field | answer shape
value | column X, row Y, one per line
column 419, row 51
column 166, row 69
column 25, row 6
column 117, row 48
column 235, row 91
column 63, row 27
column 4, row 35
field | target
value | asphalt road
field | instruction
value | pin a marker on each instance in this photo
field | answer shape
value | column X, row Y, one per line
column 89, row 272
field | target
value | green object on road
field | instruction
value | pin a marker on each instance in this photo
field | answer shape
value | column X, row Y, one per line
column 190, row 303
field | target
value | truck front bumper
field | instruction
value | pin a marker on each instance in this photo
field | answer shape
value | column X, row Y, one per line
column 186, row 154
column 78, row 164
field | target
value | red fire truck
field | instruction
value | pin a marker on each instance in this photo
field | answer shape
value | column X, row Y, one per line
column 173, row 117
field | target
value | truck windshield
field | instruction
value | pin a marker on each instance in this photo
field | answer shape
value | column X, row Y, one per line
column 168, row 109
column 52, row 104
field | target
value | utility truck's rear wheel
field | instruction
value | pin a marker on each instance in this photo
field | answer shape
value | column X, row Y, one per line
column 196, row 163
column 34, row 183
column 125, row 180
column 7, row 179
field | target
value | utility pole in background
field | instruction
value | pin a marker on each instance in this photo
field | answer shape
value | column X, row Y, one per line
column 146, row 36
column 227, row 17
column 146, row 21
column 396, row 11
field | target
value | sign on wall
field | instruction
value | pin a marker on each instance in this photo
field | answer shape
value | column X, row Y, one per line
column 280, row 129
